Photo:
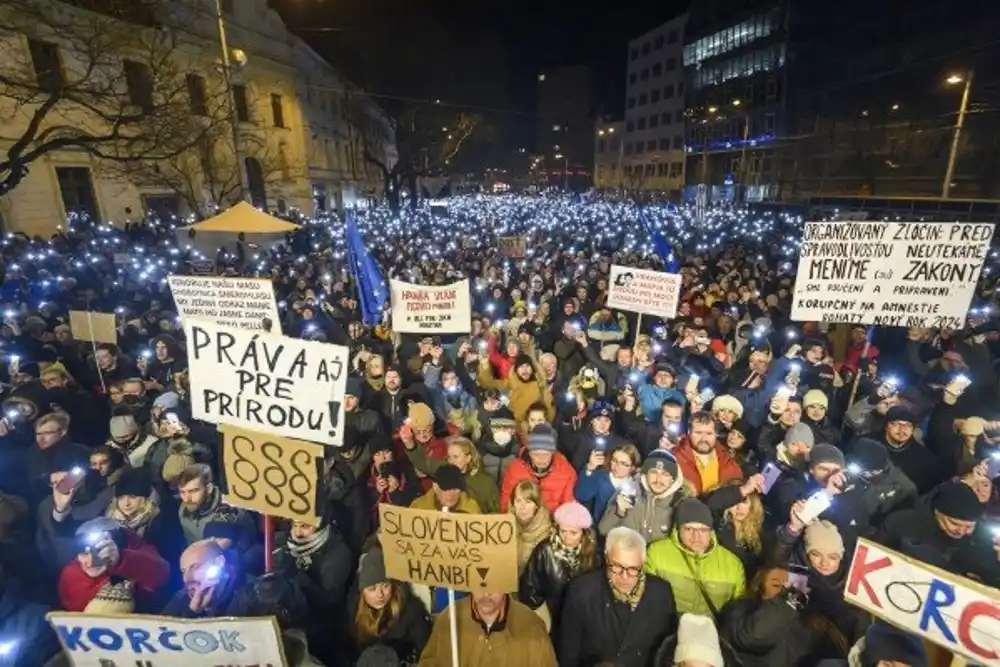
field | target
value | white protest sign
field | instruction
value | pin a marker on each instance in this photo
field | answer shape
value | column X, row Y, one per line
column 90, row 640
column 270, row 384
column 644, row 291
column 425, row 309
column 243, row 303
column 951, row 611
column 904, row 274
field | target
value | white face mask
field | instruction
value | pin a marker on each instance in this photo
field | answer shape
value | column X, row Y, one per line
column 502, row 437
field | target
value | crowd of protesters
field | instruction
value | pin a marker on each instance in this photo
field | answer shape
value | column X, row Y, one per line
column 664, row 481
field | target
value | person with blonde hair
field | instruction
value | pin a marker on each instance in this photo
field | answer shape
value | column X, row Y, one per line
column 739, row 517
column 462, row 454
column 534, row 521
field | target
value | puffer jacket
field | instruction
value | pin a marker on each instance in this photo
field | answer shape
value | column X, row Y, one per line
column 651, row 516
column 556, row 484
column 718, row 569
column 522, row 394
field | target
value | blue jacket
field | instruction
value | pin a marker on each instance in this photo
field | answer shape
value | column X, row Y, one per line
column 22, row 622
column 651, row 399
column 594, row 491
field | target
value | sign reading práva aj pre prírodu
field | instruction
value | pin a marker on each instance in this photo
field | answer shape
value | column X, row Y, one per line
column 903, row 274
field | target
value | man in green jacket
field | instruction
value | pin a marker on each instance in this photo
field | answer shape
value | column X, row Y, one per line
column 704, row 575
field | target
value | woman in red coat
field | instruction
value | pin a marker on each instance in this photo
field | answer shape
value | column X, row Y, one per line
column 106, row 551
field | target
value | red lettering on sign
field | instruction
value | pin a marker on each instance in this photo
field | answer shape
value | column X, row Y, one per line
column 860, row 571
column 971, row 612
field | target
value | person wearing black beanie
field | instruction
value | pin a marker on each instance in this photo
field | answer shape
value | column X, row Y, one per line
column 886, row 487
column 942, row 530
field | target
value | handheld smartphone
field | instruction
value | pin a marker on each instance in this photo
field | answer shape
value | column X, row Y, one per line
column 629, row 489
column 798, row 578
column 71, row 480
column 993, row 466
column 817, row 503
column 771, row 474
column 962, row 382
column 706, row 395
column 692, row 383
column 600, row 444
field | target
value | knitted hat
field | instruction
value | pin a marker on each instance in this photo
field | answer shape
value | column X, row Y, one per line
column 114, row 597
column 123, row 426
column 378, row 655
column 179, row 456
column 660, row 459
column 355, row 387
column 799, row 433
column 824, row 453
column 698, row 640
column 870, row 454
column 522, row 360
column 167, row 400
column 449, row 478
column 815, row 397
column 900, row 413
column 602, row 409
column 371, row 569
column 542, row 439
column 958, row 501
column 727, row 402
column 134, row 482
column 502, row 418
column 573, row 515
column 884, row 642
column 824, row 537
column 421, row 416
column 741, row 426
column 692, row 510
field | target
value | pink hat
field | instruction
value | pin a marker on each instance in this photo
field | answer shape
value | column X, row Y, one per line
column 573, row 515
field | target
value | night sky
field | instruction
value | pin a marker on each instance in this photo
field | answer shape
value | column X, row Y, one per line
column 484, row 56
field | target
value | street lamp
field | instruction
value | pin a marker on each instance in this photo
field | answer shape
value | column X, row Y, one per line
column 560, row 156
column 962, row 108
column 228, row 78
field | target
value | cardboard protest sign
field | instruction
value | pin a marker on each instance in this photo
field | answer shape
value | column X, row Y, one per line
column 514, row 247
column 644, row 291
column 93, row 327
column 91, row 640
column 951, row 611
column 272, row 475
column 243, row 303
column 269, row 384
column 433, row 310
column 464, row 552
column 901, row 274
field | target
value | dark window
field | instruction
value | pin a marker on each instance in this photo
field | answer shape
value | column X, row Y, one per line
column 640, row 124
column 668, row 91
column 639, row 147
column 600, row 145
column 632, row 77
column 628, row 148
column 643, row 99
column 676, row 168
column 679, row 141
column 664, row 144
column 671, row 64
column 629, row 126
column 139, row 84
column 634, row 54
column 680, row 88
column 163, row 206
column 651, row 145
column 654, row 95
column 658, row 43
column 650, row 169
column 654, row 121
column 45, row 60
column 665, row 117
column 631, row 103
column 77, row 190
column 672, row 37
column 227, row 6
column 661, row 169
column 644, row 74
column 242, row 108
column 277, row 112
column 679, row 116
column 657, row 69
column 196, row 94
column 645, row 49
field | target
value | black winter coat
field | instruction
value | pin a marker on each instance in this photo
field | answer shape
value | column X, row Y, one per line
column 544, row 580
column 324, row 576
column 407, row 636
column 771, row 634
column 595, row 627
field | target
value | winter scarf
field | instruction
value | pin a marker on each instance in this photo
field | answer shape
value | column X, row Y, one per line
column 633, row 596
column 530, row 535
column 568, row 555
column 139, row 523
column 303, row 551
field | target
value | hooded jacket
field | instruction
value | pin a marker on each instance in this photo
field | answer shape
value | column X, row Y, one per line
column 651, row 398
column 719, row 570
column 651, row 516
column 522, row 394
column 556, row 483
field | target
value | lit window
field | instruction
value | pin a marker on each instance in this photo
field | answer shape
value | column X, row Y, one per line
column 541, row 77
column 556, row 128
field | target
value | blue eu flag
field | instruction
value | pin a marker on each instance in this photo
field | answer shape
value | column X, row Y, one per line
column 372, row 290
column 660, row 244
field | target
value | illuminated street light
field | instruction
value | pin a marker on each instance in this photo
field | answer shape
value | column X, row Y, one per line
column 954, row 78
column 712, row 109
column 895, row 107
column 736, row 103
column 963, row 107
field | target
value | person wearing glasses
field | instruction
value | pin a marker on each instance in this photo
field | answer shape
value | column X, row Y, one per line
column 704, row 575
column 620, row 613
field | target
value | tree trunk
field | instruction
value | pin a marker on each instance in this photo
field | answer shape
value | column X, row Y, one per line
column 13, row 174
column 411, row 184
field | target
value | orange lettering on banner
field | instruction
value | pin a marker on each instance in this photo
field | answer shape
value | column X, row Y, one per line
column 413, row 295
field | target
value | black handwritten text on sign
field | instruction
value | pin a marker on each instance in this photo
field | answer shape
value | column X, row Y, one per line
column 271, row 475
column 268, row 384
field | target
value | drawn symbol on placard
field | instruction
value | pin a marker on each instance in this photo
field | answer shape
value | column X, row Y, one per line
column 883, row 275
column 483, row 571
